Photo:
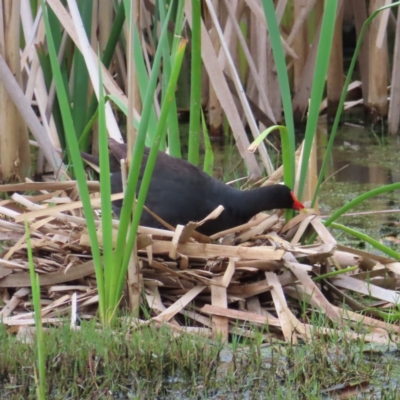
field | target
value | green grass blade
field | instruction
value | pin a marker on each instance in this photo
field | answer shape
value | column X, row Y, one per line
column 180, row 18
column 116, row 100
column 356, row 202
column 144, row 82
column 160, row 135
column 360, row 199
column 86, row 134
column 105, row 194
column 335, row 273
column 287, row 158
column 318, row 85
column 174, row 145
column 41, row 350
column 195, row 85
column 115, row 33
column 122, row 247
column 208, row 167
column 48, row 75
column 379, row 246
column 143, row 78
column 76, row 159
column 279, row 57
column 81, row 74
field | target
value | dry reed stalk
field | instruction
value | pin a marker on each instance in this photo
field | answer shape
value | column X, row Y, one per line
column 360, row 14
column 378, row 65
column 299, row 37
column 264, row 102
column 104, row 19
column 303, row 92
column 262, row 52
column 365, row 288
column 380, row 37
column 272, row 82
column 312, row 291
column 343, row 259
column 180, row 304
column 251, row 89
column 34, row 34
column 14, row 140
column 215, row 109
column 219, row 298
column 300, row 18
column 240, row 315
column 228, row 30
column 394, row 105
column 134, row 99
column 28, row 115
column 282, row 310
column 259, row 14
column 280, row 9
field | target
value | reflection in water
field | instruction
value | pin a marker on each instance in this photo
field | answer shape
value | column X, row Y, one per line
column 349, row 172
column 355, row 157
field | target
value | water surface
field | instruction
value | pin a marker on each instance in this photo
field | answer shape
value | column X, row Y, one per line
column 362, row 161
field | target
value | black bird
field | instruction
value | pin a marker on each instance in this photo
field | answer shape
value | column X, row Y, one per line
column 180, row 192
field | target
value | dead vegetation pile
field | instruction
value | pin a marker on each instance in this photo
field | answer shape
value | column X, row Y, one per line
column 258, row 275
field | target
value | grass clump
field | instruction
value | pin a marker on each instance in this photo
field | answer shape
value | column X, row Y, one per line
column 150, row 362
column 93, row 362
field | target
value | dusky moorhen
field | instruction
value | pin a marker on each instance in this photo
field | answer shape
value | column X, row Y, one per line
column 180, row 192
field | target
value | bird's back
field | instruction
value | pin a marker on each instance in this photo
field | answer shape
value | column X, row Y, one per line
column 180, row 192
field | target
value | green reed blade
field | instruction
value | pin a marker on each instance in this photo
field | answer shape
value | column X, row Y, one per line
column 195, row 85
column 76, row 159
column 174, row 145
column 105, row 194
column 158, row 138
column 208, row 167
column 318, row 85
column 281, row 68
column 124, row 248
column 41, row 349
column 362, row 236
column 81, row 74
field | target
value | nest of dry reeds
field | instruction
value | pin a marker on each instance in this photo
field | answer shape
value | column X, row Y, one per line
column 257, row 275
